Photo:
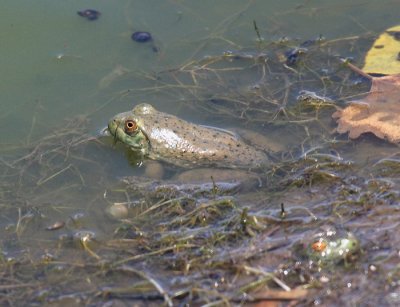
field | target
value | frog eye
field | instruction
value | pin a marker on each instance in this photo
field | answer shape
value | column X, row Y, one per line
column 319, row 246
column 130, row 126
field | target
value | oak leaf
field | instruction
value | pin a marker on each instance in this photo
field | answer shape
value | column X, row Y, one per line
column 378, row 112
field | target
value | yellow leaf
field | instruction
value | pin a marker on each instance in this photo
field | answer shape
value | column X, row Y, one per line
column 384, row 55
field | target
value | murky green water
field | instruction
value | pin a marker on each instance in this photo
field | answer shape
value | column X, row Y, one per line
column 62, row 78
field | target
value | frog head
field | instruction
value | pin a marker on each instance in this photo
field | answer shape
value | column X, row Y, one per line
column 126, row 128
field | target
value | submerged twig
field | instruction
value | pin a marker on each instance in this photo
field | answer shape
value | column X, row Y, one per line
column 357, row 70
column 154, row 282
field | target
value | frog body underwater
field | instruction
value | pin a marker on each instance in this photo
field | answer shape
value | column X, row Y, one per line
column 165, row 137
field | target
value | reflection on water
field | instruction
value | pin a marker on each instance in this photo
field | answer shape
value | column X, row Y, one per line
column 63, row 76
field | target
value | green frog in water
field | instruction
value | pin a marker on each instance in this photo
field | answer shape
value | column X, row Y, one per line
column 164, row 137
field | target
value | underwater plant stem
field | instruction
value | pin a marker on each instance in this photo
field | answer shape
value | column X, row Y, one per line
column 257, row 31
column 358, row 70
column 269, row 276
column 156, row 284
column 42, row 181
column 86, row 247
column 157, row 252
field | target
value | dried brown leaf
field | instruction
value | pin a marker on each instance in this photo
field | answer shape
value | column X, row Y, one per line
column 378, row 112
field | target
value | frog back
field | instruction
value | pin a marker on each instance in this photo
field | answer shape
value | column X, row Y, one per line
column 186, row 144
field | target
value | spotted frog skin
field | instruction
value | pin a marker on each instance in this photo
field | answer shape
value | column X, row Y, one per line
column 165, row 137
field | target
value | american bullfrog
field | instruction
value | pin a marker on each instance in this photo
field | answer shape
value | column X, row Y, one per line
column 164, row 137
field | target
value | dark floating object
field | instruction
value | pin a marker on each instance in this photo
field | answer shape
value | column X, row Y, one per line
column 293, row 56
column 141, row 37
column 89, row 14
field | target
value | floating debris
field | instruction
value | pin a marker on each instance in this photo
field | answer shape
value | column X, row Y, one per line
column 293, row 56
column 57, row 225
column 141, row 37
column 89, row 14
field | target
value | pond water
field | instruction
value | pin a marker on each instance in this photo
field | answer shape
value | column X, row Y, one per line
column 64, row 76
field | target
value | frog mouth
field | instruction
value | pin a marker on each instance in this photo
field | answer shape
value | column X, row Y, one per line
column 112, row 129
column 105, row 131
